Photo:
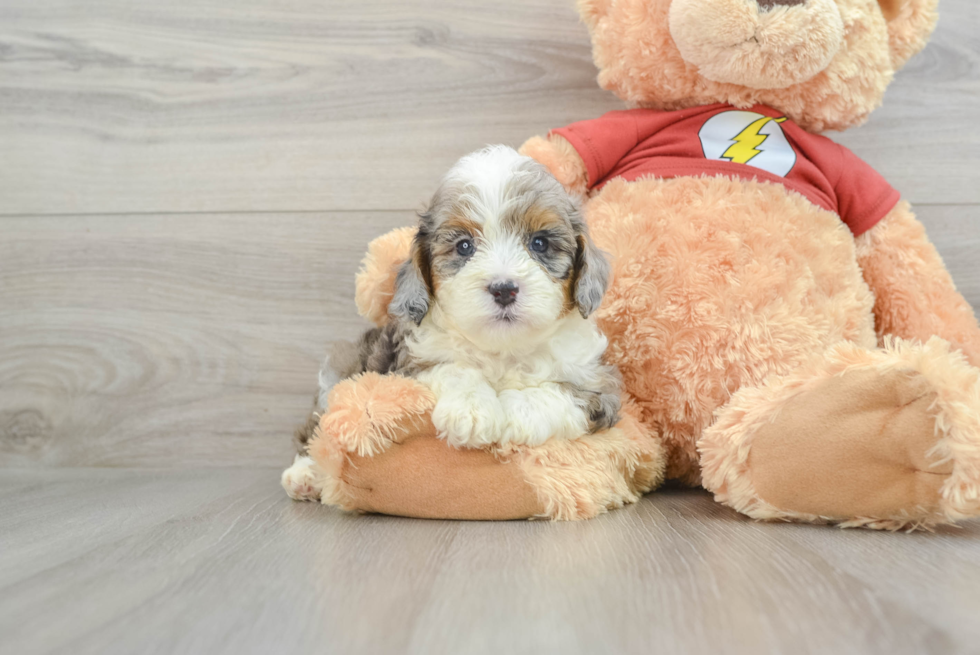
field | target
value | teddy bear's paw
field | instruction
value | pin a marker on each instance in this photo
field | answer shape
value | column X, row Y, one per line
column 368, row 412
column 299, row 480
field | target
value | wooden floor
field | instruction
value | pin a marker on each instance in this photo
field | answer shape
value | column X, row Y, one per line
column 215, row 561
column 186, row 189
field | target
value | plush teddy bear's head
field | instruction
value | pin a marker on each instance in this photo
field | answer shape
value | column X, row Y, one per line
column 824, row 63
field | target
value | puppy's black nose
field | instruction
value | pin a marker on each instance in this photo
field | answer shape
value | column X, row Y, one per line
column 504, row 293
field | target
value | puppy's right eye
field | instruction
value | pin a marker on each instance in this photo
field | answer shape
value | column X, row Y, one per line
column 465, row 247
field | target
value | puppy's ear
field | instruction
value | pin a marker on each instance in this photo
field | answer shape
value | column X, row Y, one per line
column 591, row 274
column 414, row 283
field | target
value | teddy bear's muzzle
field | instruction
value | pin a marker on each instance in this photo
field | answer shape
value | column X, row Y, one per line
column 762, row 44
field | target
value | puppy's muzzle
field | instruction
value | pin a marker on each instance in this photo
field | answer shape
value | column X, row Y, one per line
column 504, row 293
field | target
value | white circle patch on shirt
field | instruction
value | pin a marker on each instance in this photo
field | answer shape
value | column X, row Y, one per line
column 745, row 137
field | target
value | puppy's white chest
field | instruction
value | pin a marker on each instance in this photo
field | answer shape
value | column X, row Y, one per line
column 516, row 379
column 514, row 398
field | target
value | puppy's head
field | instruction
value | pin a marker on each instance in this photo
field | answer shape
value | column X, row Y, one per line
column 501, row 254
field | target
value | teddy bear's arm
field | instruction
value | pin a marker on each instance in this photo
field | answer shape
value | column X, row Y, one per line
column 555, row 153
column 376, row 450
column 915, row 297
column 410, row 472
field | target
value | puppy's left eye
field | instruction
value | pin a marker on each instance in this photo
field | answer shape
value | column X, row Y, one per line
column 539, row 244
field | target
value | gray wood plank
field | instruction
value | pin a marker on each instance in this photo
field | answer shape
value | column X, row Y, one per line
column 921, row 139
column 170, row 340
column 955, row 231
column 219, row 561
column 204, row 105
column 194, row 340
column 190, row 106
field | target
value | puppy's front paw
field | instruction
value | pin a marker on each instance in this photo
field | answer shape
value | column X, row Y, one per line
column 469, row 420
column 536, row 415
column 526, row 423
column 299, row 481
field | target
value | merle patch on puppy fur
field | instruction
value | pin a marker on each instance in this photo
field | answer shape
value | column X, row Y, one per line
column 601, row 404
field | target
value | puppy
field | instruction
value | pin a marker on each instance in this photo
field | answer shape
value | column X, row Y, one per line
column 491, row 312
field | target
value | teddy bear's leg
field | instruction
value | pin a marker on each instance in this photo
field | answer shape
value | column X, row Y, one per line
column 887, row 439
column 371, row 455
column 915, row 297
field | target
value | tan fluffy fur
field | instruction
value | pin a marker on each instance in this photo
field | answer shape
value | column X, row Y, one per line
column 684, row 335
column 367, row 414
column 583, row 478
column 639, row 61
column 375, row 284
column 559, row 157
column 915, row 297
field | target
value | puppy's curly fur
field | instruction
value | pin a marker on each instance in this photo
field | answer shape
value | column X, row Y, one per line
column 518, row 369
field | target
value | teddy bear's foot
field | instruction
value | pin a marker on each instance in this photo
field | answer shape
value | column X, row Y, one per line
column 885, row 439
column 368, row 413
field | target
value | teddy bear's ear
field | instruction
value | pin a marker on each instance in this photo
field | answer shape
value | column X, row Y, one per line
column 910, row 22
column 592, row 10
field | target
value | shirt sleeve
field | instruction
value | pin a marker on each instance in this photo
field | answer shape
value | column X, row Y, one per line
column 863, row 195
column 602, row 142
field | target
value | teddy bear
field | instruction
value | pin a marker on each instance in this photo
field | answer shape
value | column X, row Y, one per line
column 788, row 337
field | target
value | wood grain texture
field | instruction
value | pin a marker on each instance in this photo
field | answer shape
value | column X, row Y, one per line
column 248, row 106
column 170, row 340
column 206, row 105
column 955, row 231
column 122, row 561
column 194, row 340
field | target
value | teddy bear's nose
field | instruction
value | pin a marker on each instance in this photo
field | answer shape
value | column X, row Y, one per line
column 766, row 5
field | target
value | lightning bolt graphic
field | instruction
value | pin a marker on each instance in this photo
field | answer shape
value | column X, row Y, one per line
column 747, row 143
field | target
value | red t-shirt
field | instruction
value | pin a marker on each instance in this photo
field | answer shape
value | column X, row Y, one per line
column 719, row 139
